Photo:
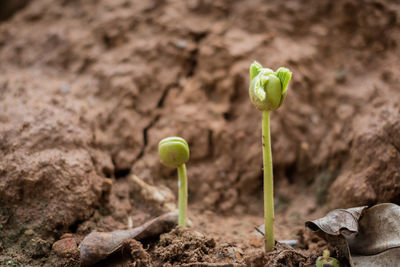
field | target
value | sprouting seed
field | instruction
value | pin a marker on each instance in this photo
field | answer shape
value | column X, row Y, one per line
column 174, row 152
column 267, row 91
column 326, row 261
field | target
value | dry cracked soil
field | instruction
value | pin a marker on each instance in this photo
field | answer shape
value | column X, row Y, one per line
column 88, row 88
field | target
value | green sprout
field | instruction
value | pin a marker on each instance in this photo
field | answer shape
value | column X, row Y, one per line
column 326, row 261
column 267, row 91
column 174, row 152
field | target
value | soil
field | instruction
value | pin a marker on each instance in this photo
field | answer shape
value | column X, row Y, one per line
column 88, row 88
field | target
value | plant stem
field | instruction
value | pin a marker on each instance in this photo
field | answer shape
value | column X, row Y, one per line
column 268, row 185
column 182, row 198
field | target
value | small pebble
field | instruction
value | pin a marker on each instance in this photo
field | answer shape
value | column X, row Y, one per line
column 65, row 248
column 29, row 232
column 182, row 44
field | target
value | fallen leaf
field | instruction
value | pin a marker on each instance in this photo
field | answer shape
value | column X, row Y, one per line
column 99, row 245
column 379, row 230
column 364, row 236
column 336, row 222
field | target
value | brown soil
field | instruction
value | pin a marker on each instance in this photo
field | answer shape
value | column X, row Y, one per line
column 88, row 88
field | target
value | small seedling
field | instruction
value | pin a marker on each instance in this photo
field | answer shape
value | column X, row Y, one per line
column 174, row 152
column 267, row 91
column 326, row 261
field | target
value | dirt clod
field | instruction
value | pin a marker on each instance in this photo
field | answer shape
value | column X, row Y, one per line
column 65, row 247
column 139, row 256
column 185, row 246
column 281, row 256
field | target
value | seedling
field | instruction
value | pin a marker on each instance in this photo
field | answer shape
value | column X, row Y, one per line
column 174, row 152
column 326, row 261
column 267, row 91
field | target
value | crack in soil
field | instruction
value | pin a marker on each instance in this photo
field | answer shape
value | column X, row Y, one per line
column 145, row 139
column 164, row 95
column 194, row 54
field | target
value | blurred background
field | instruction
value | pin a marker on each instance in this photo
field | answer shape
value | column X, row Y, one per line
column 88, row 88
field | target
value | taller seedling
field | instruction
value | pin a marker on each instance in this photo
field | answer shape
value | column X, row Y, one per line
column 174, row 152
column 267, row 91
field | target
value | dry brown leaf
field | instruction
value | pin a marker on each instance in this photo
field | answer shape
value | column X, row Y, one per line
column 99, row 245
column 364, row 236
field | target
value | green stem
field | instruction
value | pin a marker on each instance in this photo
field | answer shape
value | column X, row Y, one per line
column 183, row 192
column 268, row 185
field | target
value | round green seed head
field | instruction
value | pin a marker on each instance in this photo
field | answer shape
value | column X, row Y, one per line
column 173, row 151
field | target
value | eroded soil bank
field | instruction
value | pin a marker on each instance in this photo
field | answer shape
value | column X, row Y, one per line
column 88, row 88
